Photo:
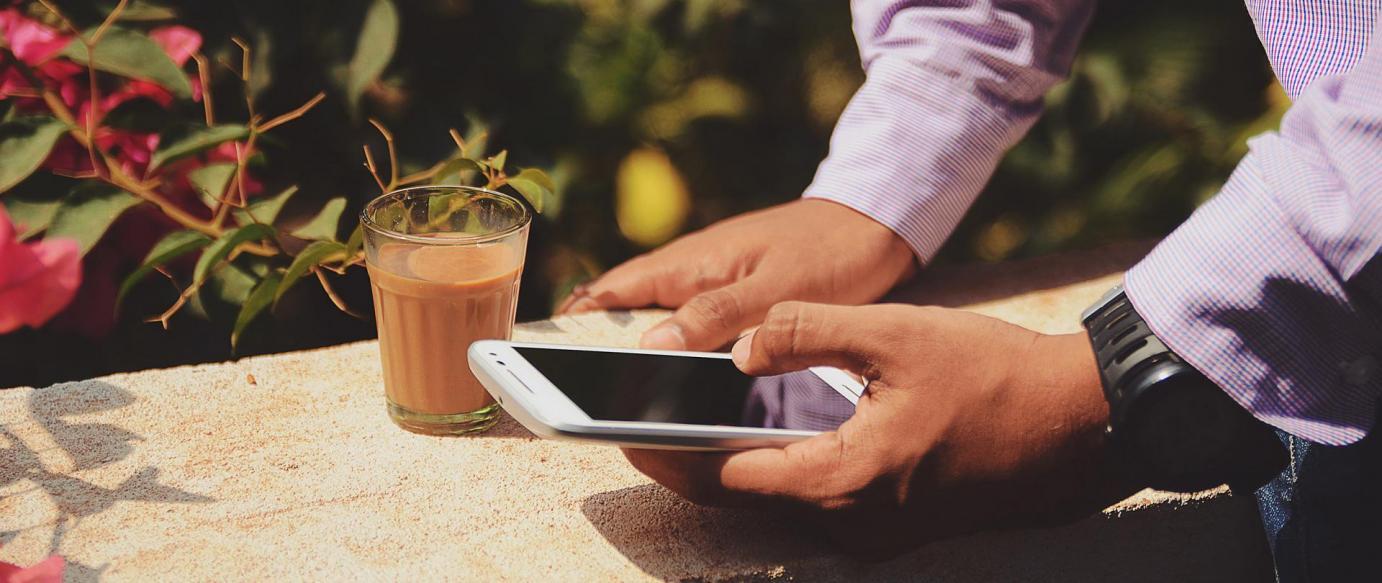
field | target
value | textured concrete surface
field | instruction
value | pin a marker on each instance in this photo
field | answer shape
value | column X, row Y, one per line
column 286, row 466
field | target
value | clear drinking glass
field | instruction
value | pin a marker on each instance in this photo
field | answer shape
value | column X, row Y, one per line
column 444, row 265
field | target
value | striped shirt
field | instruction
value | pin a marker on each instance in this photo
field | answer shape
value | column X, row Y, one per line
column 1272, row 289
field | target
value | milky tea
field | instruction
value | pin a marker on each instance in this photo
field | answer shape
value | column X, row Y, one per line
column 444, row 266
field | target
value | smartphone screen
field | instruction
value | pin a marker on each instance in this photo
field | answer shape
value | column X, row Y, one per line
column 620, row 386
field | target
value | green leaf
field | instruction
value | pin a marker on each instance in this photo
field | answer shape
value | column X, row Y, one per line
column 316, row 253
column 221, row 248
column 459, row 171
column 442, row 206
column 497, row 162
column 88, row 212
column 139, row 11
column 191, row 141
column 535, row 186
column 265, row 210
column 130, row 53
column 373, row 50
column 24, row 144
column 258, row 299
column 323, row 226
column 211, row 181
column 172, row 246
column 356, row 241
column 31, row 214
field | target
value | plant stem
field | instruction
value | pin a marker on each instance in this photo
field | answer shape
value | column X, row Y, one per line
column 331, row 293
column 393, row 152
column 204, row 73
column 292, row 115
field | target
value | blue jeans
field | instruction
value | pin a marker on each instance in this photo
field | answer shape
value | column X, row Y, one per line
column 1323, row 514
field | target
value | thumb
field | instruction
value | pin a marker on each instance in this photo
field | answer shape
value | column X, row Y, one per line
column 711, row 319
column 798, row 335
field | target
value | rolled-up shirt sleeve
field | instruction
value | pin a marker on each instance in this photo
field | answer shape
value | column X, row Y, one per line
column 1273, row 288
column 949, row 87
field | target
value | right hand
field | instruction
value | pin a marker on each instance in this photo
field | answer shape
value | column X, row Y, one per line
column 724, row 278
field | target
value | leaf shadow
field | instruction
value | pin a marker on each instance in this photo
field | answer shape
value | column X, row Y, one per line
column 88, row 446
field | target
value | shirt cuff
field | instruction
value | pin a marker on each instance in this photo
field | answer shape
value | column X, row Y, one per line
column 1238, row 294
column 914, row 148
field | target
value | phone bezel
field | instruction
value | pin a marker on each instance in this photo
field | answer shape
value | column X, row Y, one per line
column 543, row 408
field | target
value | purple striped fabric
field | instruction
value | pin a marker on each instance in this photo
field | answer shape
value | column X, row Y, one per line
column 1272, row 289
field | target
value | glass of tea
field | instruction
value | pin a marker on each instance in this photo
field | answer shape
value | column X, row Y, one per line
column 444, row 264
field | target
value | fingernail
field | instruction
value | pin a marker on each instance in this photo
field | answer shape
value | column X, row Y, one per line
column 664, row 337
column 740, row 353
column 582, row 306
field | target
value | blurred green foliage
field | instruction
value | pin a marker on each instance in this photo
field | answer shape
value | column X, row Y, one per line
column 739, row 96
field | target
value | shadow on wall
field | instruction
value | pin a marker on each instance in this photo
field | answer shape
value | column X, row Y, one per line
column 671, row 539
column 88, row 446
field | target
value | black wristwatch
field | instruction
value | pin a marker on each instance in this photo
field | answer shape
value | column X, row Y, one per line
column 1170, row 427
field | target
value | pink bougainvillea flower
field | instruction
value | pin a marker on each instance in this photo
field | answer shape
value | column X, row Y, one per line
column 32, row 41
column 36, row 279
column 91, row 313
column 178, row 41
column 48, row 570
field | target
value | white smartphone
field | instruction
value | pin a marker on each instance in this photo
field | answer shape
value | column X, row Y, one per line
column 647, row 398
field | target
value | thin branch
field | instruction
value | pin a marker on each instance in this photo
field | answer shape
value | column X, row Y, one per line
column 228, row 65
column 245, row 78
column 292, row 115
column 244, row 58
column 393, row 152
column 240, row 173
column 163, row 270
column 185, row 295
column 15, row 92
column 74, row 175
column 119, row 179
column 331, row 293
column 110, row 19
column 63, row 17
column 92, row 105
column 204, row 73
column 373, row 169
column 460, row 142
column 422, row 174
column 356, row 260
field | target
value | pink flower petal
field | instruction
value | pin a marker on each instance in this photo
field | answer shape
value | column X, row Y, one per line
column 69, row 157
column 138, row 88
column 31, row 41
column 48, row 570
column 37, row 280
column 178, row 41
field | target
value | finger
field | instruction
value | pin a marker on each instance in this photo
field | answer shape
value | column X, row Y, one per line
column 694, row 476
column 579, row 292
column 642, row 281
column 711, row 319
column 798, row 335
column 807, row 471
column 628, row 285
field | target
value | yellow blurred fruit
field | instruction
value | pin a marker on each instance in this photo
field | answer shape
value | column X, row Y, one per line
column 651, row 198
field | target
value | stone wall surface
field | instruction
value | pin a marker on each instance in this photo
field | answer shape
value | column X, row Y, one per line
column 286, row 467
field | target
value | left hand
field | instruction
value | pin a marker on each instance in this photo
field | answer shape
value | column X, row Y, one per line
column 968, row 423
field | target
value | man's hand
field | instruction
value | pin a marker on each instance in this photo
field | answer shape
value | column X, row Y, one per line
column 724, row 278
column 968, row 423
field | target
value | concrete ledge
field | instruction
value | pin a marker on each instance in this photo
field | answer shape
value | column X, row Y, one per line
column 285, row 466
